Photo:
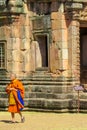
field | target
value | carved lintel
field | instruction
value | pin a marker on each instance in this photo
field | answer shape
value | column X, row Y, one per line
column 2, row 3
column 83, row 14
column 15, row 6
column 73, row 6
column 77, row 14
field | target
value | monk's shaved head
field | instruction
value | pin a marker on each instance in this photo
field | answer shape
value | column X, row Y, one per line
column 12, row 76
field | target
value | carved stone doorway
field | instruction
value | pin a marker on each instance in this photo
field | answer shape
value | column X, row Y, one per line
column 83, row 54
column 41, row 51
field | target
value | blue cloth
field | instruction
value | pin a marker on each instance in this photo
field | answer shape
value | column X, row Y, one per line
column 20, row 98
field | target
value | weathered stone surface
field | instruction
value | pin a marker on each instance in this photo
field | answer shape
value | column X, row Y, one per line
column 74, row 6
column 55, row 24
column 3, row 3
column 2, row 35
column 17, row 56
column 54, row 15
column 9, row 65
column 64, row 35
column 15, row 44
column 82, row 14
column 32, row 56
column 64, row 44
column 27, row 61
column 65, row 54
column 56, row 36
column 15, row 31
column 65, row 64
column 15, row 6
column 9, row 55
column 54, row 58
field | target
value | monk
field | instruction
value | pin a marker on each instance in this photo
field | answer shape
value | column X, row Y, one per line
column 15, row 91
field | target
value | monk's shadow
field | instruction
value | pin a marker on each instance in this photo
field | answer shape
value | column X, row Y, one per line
column 8, row 121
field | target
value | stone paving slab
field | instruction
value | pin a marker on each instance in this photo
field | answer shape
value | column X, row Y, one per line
column 45, row 121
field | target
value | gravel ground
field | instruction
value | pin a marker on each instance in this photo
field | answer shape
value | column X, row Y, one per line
column 44, row 121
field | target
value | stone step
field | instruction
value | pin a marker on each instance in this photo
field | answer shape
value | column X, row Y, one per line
column 38, row 82
column 48, row 82
column 43, row 92
column 2, row 88
column 56, row 103
column 51, row 88
column 31, row 94
column 42, row 69
column 45, row 77
column 3, row 95
column 83, row 96
column 4, row 102
column 51, row 95
column 70, row 95
column 41, row 75
column 39, row 79
column 49, row 103
column 43, row 103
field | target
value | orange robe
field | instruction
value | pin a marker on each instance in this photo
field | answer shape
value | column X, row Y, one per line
column 18, row 86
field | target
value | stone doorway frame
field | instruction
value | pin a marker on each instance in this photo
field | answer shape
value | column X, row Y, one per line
column 83, row 71
column 48, row 45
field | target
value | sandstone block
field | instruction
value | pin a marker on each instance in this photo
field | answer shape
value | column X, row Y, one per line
column 17, row 56
column 64, row 35
column 56, row 35
column 65, row 54
column 56, row 24
column 65, row 64
column 54, row 15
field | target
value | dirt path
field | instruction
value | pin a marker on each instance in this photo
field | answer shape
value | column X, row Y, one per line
column 44, row 121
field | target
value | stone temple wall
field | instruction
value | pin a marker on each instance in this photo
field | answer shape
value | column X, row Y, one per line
column 47, row 88
column 19, row 46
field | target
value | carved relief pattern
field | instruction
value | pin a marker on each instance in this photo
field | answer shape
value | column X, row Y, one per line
column 83, row 14
column 40, row 7
column 2, row 3
column 80, row 14
column 75, row 51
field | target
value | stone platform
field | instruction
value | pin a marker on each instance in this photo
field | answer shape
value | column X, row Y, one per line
column 47, row 93
column 43, row 92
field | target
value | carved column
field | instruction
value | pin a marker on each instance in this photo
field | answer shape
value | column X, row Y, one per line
column 55, row 47
column 64, row 51
column 74, row 50
column 72, row 15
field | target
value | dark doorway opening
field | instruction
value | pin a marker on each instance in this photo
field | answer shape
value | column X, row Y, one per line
column 41, row 51
column 83, row 55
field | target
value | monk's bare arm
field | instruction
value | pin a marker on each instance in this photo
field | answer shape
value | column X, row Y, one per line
column 9, row 89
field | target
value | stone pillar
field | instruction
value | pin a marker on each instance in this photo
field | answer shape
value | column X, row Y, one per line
column 74, row 49
column 19, row 46
column 55, row 47
column 17, row 55
column 54, row 59
column 25, row 42
column 64, row 47
column 59, row 42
